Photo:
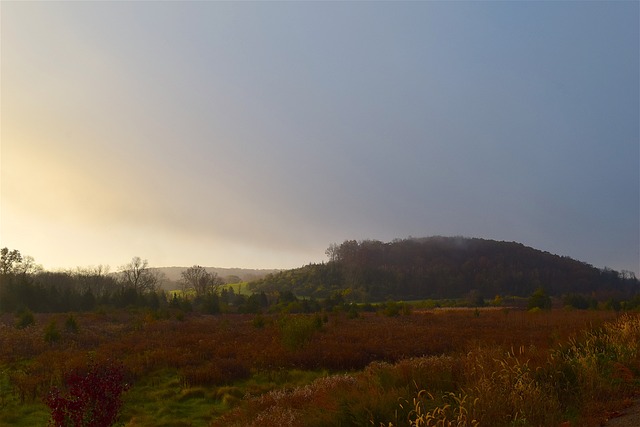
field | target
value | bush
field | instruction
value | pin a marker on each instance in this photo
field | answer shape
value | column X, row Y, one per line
column 25, row 318
column 71, row 325
column 392, row 309
column 89, row 398
column 258, row 322
column 51, row 333
column 539, row 299
column 297, row 331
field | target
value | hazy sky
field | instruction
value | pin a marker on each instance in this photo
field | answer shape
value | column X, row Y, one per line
column 255, row 134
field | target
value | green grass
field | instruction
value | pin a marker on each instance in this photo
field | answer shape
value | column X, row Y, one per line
column 32, row 414
column 160, row 399
column 15, row 413
column 240, row 288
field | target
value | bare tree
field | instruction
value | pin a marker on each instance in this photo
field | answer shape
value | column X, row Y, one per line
column 199, row 280
column 333, row 252
column 628, row 274
column 93, row 278
column 138, row 276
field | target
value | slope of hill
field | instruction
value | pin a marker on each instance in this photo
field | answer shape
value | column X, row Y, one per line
column 446, row 267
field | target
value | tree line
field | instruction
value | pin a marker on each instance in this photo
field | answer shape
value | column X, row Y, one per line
column 357, row 271
column 26, row 287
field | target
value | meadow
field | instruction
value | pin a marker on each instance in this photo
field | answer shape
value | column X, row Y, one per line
column 466, row 367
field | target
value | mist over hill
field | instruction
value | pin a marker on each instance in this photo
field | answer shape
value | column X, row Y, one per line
column 446, row 267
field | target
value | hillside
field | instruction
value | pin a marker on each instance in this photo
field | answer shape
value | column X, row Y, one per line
column 446, row 267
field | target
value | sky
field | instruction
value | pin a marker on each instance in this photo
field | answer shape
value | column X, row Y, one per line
column 256, row 134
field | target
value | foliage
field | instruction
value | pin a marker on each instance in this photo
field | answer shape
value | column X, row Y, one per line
column 71, row 324
column 357, row 272
column 539, row 300
column 393, row 308
column 90, row 397
column 482, row 387
column 200, row 281
column 25, row 318
column 51, row 333
column 258, row 321
column 227, row 363
column 9, row 261
column 80, row 290
column 297, row 331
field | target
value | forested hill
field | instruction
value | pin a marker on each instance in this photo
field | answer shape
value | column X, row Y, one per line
column 446, row 267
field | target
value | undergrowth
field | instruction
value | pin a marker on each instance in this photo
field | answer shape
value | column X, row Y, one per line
column 445, row 368
column 486, row 386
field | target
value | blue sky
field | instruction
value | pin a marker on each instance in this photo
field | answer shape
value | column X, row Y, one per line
column 255, row 134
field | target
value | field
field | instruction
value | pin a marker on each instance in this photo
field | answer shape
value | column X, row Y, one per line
column 471, row 367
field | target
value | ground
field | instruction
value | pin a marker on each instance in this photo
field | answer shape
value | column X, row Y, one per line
column 629, row 417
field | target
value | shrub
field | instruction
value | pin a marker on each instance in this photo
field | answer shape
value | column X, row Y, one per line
column 392, row 309
column 51, row 333
column 25, row 318
column 353, row 312
column 91, row 397
column 297, row 331
column 71, row 324
column 539, row 299
column 258, row 321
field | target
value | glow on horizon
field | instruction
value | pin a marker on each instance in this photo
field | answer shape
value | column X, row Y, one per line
column 253, row 135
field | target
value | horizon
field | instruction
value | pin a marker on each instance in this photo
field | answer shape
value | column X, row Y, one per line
column 111, row 269
column 255, row 135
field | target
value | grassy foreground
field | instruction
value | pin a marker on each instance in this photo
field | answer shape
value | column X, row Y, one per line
column 463, row 367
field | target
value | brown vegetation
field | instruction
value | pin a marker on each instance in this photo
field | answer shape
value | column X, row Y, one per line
column 437, row 351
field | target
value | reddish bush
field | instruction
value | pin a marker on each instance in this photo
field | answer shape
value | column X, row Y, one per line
column 89, row 398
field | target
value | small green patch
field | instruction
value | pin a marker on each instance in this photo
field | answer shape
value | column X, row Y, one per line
column 297, row 331
column 158, row 400
column 192, row 393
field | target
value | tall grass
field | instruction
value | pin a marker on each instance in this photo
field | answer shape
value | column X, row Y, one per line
column 455, row 410
column 601, row 365
column 486, row 386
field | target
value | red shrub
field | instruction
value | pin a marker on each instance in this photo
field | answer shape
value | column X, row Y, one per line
column 89, row 398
